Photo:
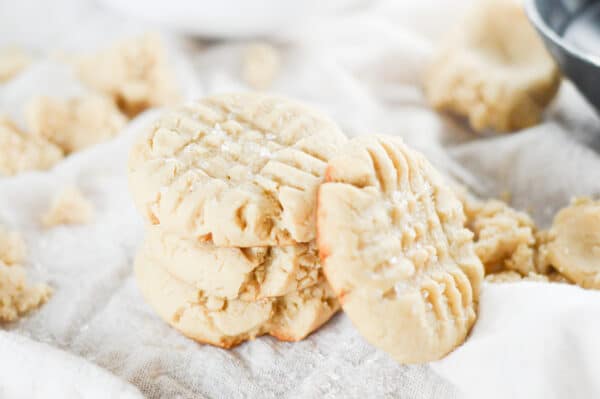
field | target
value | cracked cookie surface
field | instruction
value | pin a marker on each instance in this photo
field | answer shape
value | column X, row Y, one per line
column 238, row 170
column 393, row 245
column 493, row 69
column 246, row 273
column 228, row 322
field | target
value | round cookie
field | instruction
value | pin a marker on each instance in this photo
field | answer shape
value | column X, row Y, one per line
column 226, row 323
column 247, row 273
column 572, row 245
column 239, row 170
column 394, row 248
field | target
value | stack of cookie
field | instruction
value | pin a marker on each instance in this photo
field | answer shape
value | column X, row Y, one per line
column 228, row 188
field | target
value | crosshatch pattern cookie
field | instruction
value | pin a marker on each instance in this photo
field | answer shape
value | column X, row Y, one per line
column 247, row 273
column 228, row 322
column 239, row 170
column 394, row 248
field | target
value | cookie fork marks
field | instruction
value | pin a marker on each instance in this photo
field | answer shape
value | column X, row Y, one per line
column 395, row 249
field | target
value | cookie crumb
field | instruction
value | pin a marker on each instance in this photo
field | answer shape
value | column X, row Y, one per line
column 17, row 296
column 69, row 207
column 20, row 152
column 12, row 61
column 12, row 247
column 76, row 123
column 260, row 65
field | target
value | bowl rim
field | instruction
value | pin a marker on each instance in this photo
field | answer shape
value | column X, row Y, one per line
column 534, row 16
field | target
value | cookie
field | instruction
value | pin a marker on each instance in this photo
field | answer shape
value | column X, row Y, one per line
column 393, row 246
column 228, row 322
column 134, row 73
column 249, row 273
column 493, row 69
column 76, row 123
column 504, row 237
column 237, row 170
column 20, row 152
column 572, row 245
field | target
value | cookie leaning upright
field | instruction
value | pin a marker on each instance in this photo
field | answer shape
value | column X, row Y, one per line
column 394, row 248
column 235, row 170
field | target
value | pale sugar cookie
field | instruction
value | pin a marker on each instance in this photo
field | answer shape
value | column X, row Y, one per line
column 237, row 170
column 394, row 248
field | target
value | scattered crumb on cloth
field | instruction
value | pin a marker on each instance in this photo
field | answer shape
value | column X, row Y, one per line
column 69, row 206
column 17, row 296
column 20, row 152
column 76, row 123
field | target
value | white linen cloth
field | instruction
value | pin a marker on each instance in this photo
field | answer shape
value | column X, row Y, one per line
column 531, row 340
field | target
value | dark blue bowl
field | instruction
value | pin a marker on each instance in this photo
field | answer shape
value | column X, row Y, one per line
column 551, row 19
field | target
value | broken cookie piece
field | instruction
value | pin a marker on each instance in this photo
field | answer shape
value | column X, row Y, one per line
column 572, row 245
column 20, row 152
column 493, row 69
column 504, row 237
column 75, row 123
column 69, row 207
column 133, row 72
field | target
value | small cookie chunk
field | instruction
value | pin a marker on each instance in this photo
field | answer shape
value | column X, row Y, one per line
column 226, row 322
column 12, row 247
column 393, row 247
column 18, row 297
column 572, row 245
column 68, row 207
column 133, row 72
column 76, row 123
column 247, row 273
column 240, row 170
column 12, row 61
column 504, row 237
column 260, row 65
column 493, row 69
column 20, row 152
